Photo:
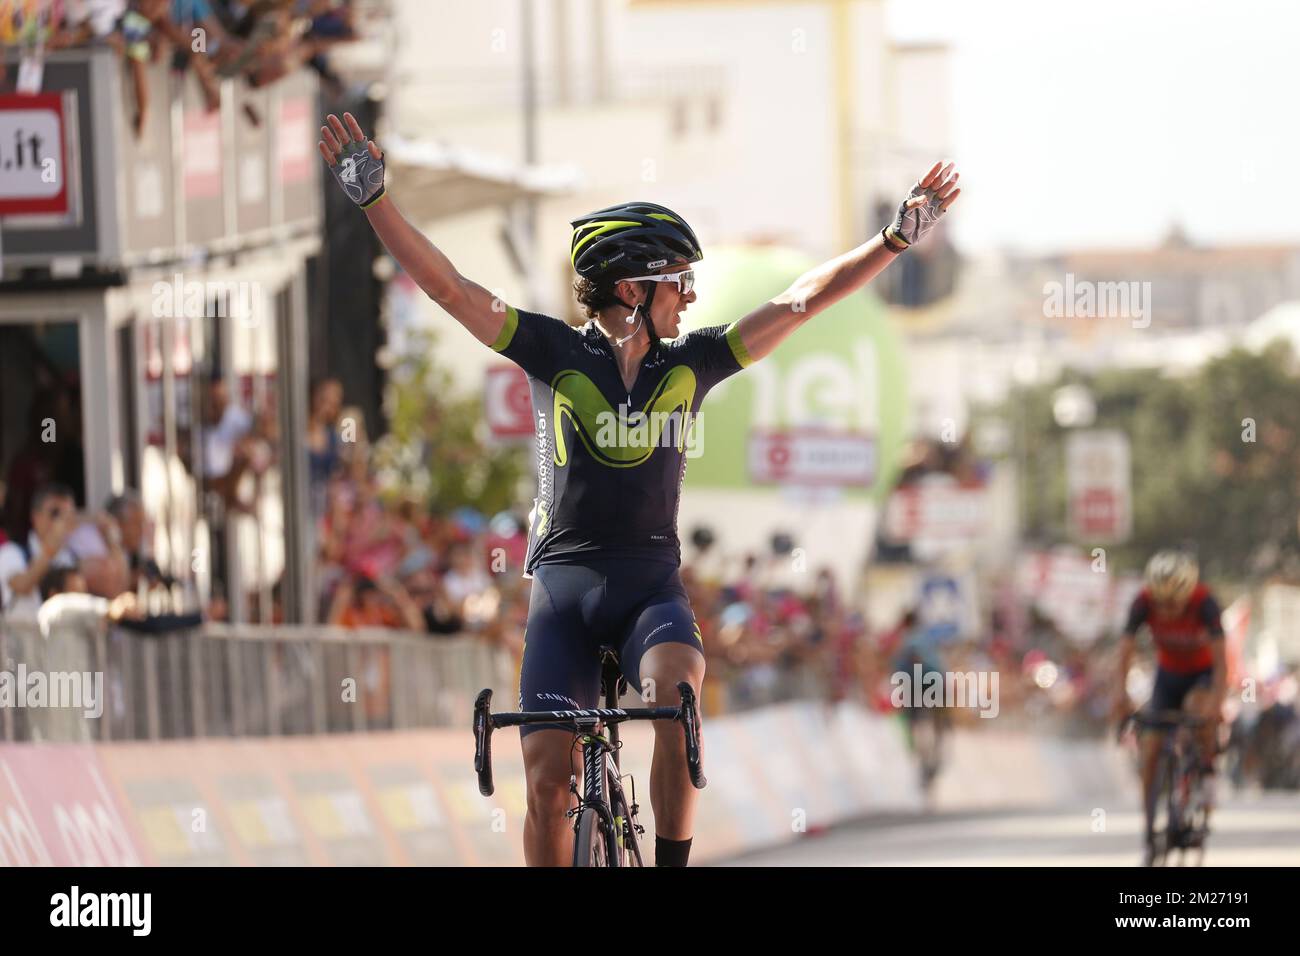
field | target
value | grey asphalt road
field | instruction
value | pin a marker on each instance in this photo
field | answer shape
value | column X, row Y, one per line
column 1247, row 830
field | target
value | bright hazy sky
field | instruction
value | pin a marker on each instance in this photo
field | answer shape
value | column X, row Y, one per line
column 1101, row 122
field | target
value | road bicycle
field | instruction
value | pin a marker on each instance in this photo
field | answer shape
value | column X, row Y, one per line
column 605, row 828
column 1181, row 788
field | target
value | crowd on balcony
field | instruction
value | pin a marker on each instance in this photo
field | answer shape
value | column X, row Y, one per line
column 254, row 41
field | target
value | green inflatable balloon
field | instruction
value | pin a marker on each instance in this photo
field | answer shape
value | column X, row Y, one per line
column 843, row 371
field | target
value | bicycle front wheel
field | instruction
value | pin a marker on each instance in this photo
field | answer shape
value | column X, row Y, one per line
column 591, row 846
column 1162, row 811
column 925, row 739
column 628, row 850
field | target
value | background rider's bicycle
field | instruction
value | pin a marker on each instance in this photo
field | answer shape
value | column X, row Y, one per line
column 605, row 828
column 926, row 732
column 1179, row 800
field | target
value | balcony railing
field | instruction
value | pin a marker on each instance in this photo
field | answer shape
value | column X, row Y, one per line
column 194, row 181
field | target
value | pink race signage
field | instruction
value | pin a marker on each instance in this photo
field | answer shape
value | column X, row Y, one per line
column 56, row 809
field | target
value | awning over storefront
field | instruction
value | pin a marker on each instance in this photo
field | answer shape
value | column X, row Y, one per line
column 434, row 180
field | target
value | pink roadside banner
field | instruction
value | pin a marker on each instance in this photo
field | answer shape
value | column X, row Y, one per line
column 411, row 798
column 57, row 809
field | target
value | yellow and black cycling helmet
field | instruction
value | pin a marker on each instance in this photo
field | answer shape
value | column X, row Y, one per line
column 1172, row 575
column 630, row 239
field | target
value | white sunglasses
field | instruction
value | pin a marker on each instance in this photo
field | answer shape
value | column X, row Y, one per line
column 685, row 280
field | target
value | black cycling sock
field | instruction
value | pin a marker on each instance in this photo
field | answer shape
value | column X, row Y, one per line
column 671, row 852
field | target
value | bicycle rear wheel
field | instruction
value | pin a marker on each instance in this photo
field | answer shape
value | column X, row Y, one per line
column 1182, row 781
column 591, row 845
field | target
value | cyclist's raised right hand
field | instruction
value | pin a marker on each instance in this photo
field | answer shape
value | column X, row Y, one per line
column 358, row 166
column 355, row 161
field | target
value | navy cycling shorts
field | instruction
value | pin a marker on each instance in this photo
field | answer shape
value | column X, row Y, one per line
column 1171, row 689
column 575, row 609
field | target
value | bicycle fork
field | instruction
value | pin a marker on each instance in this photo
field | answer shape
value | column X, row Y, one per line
column 598, row 752
column 595, row 750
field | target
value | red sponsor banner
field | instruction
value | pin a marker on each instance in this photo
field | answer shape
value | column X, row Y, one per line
column 812, row 456
column 936, row 512
column 294, row 140
column 1096, row 513
column 57, row 809
column 33, row 155
column 201, row 154
column 1098, row 485
column 508, row 402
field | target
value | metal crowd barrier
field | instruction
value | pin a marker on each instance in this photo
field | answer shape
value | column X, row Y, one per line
column 235, row 681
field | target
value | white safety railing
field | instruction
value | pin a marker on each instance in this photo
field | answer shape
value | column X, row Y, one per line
column 235, row 681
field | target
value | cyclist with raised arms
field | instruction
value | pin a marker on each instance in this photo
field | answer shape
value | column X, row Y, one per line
column 1183, row 617
column 614, row 401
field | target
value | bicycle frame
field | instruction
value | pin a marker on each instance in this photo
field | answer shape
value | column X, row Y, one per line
column 597, row 730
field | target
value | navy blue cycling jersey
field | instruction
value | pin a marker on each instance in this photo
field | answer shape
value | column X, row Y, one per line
column 610, row 462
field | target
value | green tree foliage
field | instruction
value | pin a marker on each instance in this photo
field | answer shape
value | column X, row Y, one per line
column 1216, row 460
column 438, row 450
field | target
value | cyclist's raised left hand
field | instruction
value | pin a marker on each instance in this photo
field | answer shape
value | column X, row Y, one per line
column 930, row 198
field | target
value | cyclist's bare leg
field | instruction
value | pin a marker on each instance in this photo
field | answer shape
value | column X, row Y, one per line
column 1207, row 735
column 549, row 758
column 1150, row 742
column 671, row 794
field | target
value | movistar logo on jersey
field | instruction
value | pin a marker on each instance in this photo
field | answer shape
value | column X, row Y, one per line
column 622, row 437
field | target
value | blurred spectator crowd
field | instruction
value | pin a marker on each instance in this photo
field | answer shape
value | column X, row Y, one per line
column 69, row 569
column 254, row 41
column 388, row 561
column 772, row 628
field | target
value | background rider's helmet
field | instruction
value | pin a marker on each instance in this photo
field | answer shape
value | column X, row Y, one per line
column 1171, row 575
column 631, row 239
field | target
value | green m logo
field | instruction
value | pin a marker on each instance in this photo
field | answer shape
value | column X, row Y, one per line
column 617, row 440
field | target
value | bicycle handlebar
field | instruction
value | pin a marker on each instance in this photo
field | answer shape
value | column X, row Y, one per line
column 1160, row 720
column 690, row 726
column 483, row 741
column 485, row 722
